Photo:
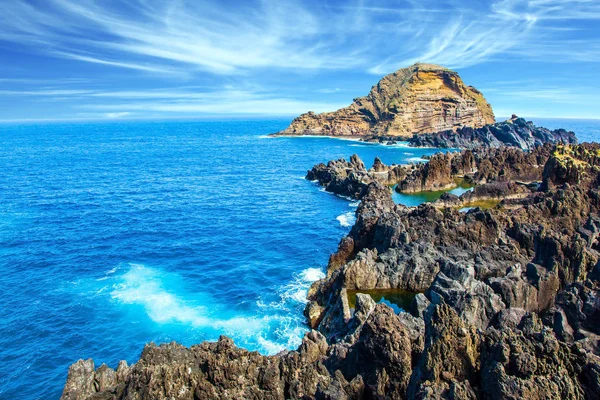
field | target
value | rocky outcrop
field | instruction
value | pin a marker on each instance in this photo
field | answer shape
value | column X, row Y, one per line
column 491, row 278
column 514, row 132
column 375, row 361
column 418, row 99
column 501, row 172
column 506, row 305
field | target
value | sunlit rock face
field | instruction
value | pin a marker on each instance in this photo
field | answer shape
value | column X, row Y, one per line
column 419, row 99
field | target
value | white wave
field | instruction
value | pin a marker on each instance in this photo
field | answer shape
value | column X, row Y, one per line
column 277, row 326
column 108, row 274
column 417, row 159
column 354, row 204
column 322, row 189
column 295, row 291
column 311, row 275
column 145, row 286
column 347, row 219
column 402, row 145
column 270, row 346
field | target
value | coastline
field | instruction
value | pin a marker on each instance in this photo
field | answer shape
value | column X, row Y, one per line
column 350, row 349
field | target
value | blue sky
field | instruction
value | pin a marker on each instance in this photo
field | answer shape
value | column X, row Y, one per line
column 107, row 59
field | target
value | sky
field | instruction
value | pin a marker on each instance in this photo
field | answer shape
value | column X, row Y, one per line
column 108, row 59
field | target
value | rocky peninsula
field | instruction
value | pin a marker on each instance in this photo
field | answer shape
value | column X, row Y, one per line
column 501, row 302
column 422, row 98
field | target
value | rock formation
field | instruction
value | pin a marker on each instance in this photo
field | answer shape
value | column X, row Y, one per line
column 515, row 132
column 419, row 99
column 497, row 172
column 506, row 300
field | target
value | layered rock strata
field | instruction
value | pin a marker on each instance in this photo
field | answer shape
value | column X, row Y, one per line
column 418, row 99
column 506, row 306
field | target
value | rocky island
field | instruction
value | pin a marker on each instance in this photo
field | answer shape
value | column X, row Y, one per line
column 428, row 106
column 499, row 301
column 422, row 98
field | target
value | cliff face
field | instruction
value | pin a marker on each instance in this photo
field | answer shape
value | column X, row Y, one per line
column 419, row 99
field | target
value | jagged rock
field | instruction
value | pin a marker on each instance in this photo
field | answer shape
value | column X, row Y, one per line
column 80, row 381
column 514, row 132
column 498, row 173
column 578, row 311
column 418, row 99
column 419, row 305
column 450, row 357
column 573, row 165
column 382, row 354
column 508, row 304
column 474, row 301
column 515, row 364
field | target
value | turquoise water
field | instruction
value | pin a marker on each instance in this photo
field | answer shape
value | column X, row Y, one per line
column 113, row 235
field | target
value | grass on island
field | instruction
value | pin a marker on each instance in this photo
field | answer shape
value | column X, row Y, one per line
column 567, row 154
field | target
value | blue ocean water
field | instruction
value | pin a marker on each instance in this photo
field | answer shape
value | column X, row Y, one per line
column 113, row 235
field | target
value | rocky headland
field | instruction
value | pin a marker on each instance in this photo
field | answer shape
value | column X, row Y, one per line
column 419, row 99
column 503, row 302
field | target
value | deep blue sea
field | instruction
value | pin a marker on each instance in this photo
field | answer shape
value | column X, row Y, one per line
column 113, row 235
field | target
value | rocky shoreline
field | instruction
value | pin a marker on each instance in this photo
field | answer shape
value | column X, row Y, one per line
column 514, row 132
column 504, row 301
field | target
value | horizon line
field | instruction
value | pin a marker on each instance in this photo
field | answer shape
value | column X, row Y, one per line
column 221, row 117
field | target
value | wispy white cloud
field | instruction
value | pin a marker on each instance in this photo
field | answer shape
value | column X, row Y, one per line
column 487, row 31
column 548, row 94
column 277, row 44
column 183, row 100
column 94, row 60
column 45, row 92
column 225, row 102
column 208, row 35
column 170, row 36
column 330, row 90
column 116, row 115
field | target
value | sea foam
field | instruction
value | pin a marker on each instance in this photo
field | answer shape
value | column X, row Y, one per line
column 347, row 219
column 166, row 301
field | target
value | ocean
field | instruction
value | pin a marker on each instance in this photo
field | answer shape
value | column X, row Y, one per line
column 116, row 234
